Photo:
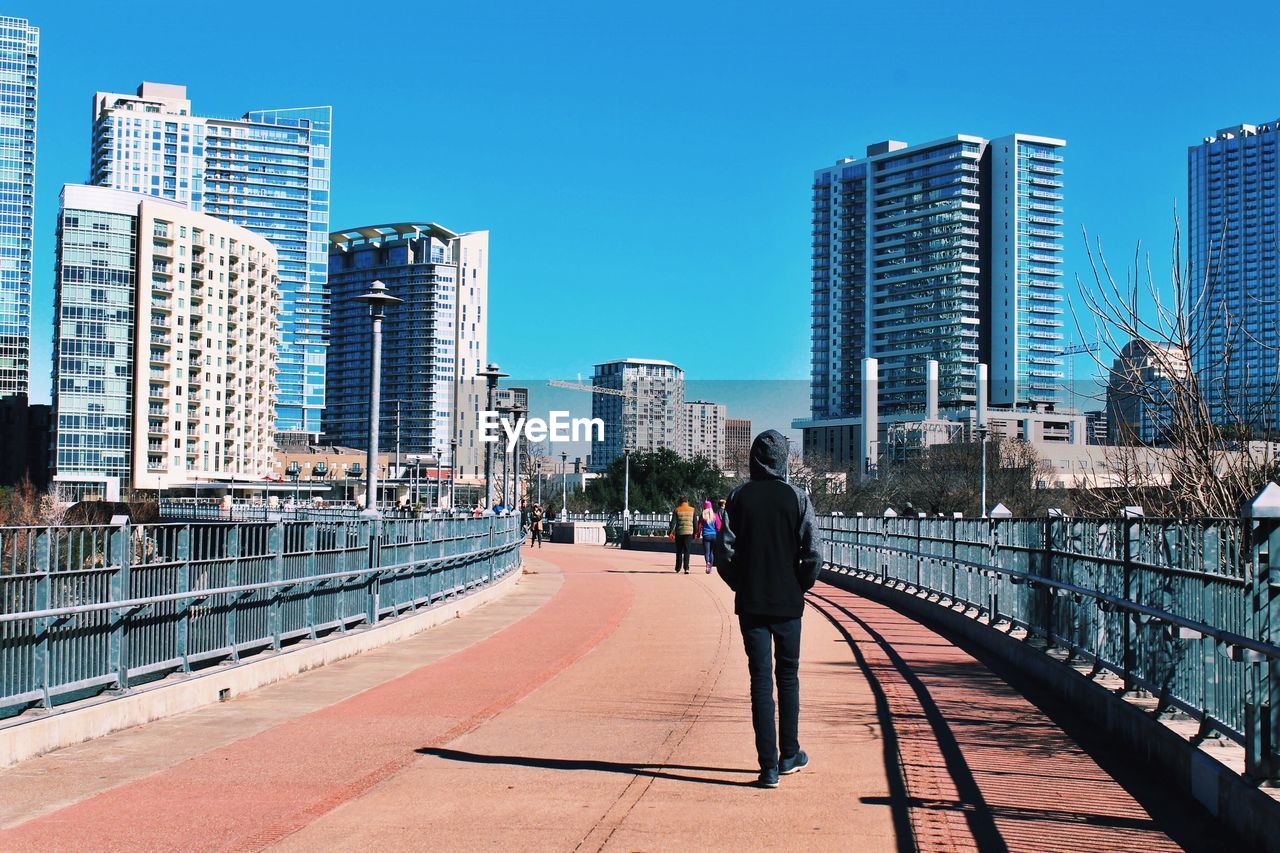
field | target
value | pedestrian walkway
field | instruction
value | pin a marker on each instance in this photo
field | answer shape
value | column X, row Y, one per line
column 601, row 705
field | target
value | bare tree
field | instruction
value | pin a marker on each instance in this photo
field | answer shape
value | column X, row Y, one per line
column 1176, row 363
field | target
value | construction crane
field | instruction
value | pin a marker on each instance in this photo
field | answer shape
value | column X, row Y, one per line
column 590, row 389
column 1075, row 349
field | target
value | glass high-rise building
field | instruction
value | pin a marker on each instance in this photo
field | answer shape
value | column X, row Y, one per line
column 433, row 344
column 267, row 171
column 1233, row 255
column 19, row 61
column 949, row 251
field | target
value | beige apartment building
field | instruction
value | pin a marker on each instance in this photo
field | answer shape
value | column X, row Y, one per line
column 166, row 327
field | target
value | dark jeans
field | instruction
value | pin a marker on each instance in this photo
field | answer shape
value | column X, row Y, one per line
column 708, row 549
column 682, row 552
column 759, row 634
column 537, row 537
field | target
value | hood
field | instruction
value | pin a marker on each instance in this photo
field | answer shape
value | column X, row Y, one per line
column 769, row 456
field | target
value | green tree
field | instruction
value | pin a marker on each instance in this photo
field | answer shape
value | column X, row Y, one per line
column 657, row 479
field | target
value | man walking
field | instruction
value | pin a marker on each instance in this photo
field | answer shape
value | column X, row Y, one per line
column 769, row 556
column 682, row 527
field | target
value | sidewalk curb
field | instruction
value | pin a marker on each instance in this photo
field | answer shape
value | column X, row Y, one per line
column 29, row 736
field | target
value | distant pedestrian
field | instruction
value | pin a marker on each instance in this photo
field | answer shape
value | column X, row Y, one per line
column 769, row 554
column 535, row 526
column 708, row 529
column 681, row 527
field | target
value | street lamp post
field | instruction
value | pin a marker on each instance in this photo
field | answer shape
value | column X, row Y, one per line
column 294, row 470
column 982, row 493
column 515, row 490
column 626, row 491
column 491, row 374
column 378, row 300
column 439, row 462
column 538, row 468
column 453, row 474
column 506, row 467
column 564, row 483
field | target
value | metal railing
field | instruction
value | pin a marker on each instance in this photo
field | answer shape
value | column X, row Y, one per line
column 89, row 609
column 1188, row 610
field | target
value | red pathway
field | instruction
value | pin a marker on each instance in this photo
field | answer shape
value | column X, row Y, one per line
column 611, row 714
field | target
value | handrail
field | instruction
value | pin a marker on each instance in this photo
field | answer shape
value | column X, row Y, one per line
column 1179, row 607
column 1227, row 637
column 89, row 608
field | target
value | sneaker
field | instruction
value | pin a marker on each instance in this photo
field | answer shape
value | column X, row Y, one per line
column 768, row 778
column 791, row 765
column 708, row 570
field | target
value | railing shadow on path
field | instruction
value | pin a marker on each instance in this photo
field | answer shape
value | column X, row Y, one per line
column 654, row 771
column 983, row 818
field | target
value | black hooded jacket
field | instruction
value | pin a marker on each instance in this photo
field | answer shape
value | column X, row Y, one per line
column 768, row 549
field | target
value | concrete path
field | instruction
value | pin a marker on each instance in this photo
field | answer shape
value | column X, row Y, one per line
column 601, row 705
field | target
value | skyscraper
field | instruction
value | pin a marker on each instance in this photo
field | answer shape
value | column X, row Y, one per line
column 165, row 333
column 1234, row 268
column 703, row 431
column 267, row 171
column 19, row 61
column 948, row 250
column 645, row 412
column 433, row 344
column 1141, row 392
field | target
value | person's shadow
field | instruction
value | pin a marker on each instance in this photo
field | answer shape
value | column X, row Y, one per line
column 655, row 771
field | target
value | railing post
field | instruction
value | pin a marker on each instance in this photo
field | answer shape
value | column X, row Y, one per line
column 1132, row 545
column 232, row 556
column 1047, row 596
column 312, row 567
column 1262, row 681
column 42, row 627
column 182, row 554
column 275, row 541
column 993, row 555
column 118, row 644
column 374, row 586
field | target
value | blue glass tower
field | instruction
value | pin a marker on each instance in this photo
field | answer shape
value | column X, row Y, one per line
column 19, row 58
column 268, row 172
column 1234, row 268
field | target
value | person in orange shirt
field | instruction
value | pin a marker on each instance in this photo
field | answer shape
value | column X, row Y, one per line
column 681, row 527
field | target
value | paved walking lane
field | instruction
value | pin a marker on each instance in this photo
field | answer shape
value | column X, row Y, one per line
column 602, row 706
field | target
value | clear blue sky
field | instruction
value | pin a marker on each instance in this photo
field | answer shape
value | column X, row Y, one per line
column 644, row 169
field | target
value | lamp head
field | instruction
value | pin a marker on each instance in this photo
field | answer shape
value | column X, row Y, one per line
column 378, row 298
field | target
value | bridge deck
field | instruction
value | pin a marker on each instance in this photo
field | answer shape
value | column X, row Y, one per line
column 602, row 705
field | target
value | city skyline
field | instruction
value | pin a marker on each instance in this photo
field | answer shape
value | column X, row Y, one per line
column 758, row 251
